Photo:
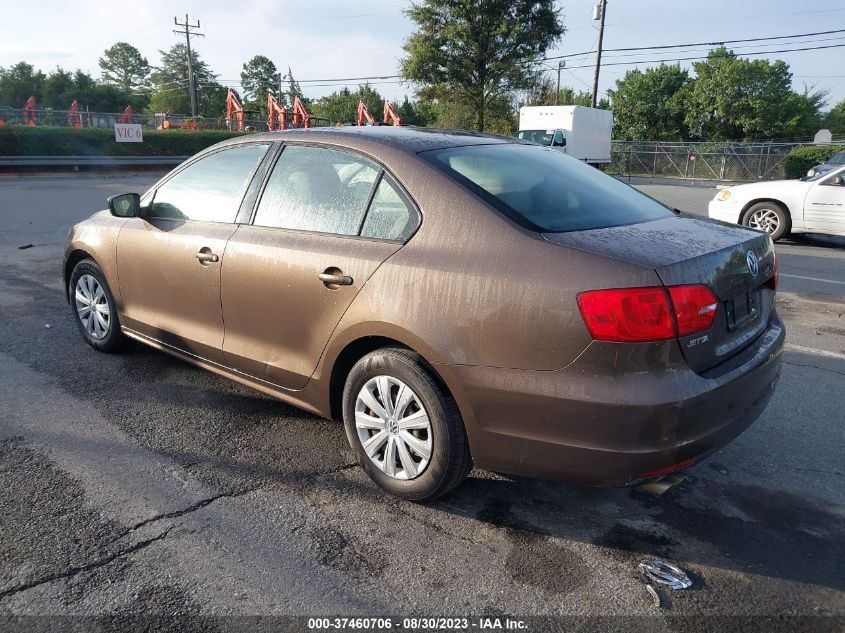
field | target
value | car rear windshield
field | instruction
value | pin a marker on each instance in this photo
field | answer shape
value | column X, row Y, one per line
column 545, row 190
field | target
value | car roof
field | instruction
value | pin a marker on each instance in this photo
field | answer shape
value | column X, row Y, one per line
column 370, row 137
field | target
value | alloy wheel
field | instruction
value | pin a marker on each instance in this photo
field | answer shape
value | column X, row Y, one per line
column 92, row 306
column 764, row 220
column 394, row 427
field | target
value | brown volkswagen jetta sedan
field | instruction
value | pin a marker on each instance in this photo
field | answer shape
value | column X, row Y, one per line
column 454, row 298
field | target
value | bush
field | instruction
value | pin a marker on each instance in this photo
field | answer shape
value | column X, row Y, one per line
column 801, row 159
column 18, row 140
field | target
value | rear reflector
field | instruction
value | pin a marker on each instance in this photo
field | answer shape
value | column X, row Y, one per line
column 630, row 315
column 773, row 282
column 695, row 308
column 657, row 472
column 627, row 314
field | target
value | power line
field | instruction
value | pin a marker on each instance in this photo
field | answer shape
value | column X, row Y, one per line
column 733, row 48
column 721, row 43
column 682, row 59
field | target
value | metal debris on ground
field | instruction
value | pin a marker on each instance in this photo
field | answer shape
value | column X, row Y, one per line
column 659, row 486
column 655, row 597
column 660, row 571
column 25, row 246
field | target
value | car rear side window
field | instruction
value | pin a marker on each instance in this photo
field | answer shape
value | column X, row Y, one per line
column 212, row 188
column 389, row 217
column 545, row 190
column 317, row 189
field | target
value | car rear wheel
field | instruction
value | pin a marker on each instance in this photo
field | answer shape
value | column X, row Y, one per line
column 403, row 426
column 769, row 217
column 94, row 308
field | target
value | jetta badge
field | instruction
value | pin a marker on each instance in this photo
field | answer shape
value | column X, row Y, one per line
column 753, row 266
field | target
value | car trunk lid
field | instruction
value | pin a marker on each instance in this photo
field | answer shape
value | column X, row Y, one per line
column 688, row 250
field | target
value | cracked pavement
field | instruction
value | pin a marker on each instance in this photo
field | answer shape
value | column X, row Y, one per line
column 137, row 485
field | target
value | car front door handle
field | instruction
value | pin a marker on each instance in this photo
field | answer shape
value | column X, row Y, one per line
column 205, row 257
column 335, row 279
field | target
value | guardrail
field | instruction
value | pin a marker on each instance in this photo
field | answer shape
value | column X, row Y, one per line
column 90, row 161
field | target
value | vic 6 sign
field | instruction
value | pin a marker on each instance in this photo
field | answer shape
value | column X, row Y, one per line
column 128, row 133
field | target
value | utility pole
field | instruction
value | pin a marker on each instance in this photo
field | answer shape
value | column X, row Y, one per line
column 560, row 65
column 192, row 84
column 601, row 7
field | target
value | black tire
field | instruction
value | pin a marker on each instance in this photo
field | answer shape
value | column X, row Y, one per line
column 784, row 220
column 114, row 340
column 450, row 460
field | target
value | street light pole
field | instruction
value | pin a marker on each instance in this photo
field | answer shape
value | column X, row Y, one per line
column 602, row 8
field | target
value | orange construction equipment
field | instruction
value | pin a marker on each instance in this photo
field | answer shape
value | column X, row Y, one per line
column 73, row 117
column 126, row 117
column 390, row 114
column 275, row 113
column 364, row 114
column 29, row 112
column 301, row 118
column 236, row 108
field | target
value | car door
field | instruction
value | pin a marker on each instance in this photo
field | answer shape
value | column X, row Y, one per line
column 169, row 259
column 824, row 206
column 291, row 274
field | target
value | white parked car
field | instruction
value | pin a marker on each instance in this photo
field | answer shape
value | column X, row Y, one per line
column 781, row 207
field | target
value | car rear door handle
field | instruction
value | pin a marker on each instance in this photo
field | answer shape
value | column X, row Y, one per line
column 335, row 279
column 205, row 257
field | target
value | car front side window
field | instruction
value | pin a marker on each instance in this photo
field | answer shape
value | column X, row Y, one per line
column 212, row 188
column 317, row 189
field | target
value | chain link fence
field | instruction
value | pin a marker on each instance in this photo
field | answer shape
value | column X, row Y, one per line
column 49, row 117
column 734, row 162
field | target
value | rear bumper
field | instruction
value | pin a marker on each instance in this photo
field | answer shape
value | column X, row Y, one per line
column 588, row 428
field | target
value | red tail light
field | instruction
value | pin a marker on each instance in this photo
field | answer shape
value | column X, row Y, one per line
column 627, row 314
column 630, row 315
column 695, row 308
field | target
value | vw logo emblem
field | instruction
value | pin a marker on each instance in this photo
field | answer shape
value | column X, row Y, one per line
column 753, row 266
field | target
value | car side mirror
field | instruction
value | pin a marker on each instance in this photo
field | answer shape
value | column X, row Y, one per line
column 836, row 181
column 125, row 205
column 558, row 140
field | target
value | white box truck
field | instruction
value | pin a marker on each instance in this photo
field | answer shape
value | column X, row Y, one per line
column 580, row 132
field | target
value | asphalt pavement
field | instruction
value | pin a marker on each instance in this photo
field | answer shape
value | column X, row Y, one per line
column 135, row 484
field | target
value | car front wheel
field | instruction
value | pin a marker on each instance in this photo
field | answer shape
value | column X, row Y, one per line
column 404, row 427
column 94, row 308
column 769, row 217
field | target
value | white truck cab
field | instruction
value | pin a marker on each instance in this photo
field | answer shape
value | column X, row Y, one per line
column 580, row 132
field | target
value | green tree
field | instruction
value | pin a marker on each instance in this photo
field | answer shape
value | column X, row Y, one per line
column 543, row 93
column 835, row 119
column 260, row 75
column 170, row 84
column 342, row 106
column 737, row 99
column 59, row 89
column 421, row 113
column 99, row 97
column 478, row 52
column 650, row 105
column 804, row 113
column 123, row 65
column 18, row 83
column 294, row 89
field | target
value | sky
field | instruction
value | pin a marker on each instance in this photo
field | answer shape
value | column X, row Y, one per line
column 333, row 39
